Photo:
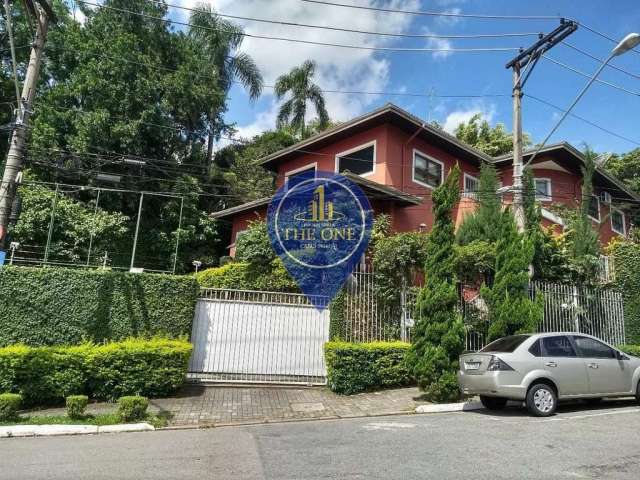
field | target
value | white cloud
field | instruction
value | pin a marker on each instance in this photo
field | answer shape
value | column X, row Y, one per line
column 338, row 68
column 457, row 117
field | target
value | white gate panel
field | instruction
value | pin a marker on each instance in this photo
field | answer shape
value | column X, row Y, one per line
column 258, row 337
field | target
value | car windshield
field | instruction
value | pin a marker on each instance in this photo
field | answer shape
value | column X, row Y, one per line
column 505, row 344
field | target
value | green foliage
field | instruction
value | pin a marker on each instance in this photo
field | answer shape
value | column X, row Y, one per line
column 626, row 256
column 438, row 337
column 626, row 167
column 254, row 246
column 491, row 140
column 510, row 308
column 298, row 82
column 475, row 260
column 9, row 405
column 45, row 375
column 484, row 223
column 76, row 405
column 630, row 349
column 53, row 306
column 337, row 316
column 241, row 275
column 132, row 408
column 358, row 367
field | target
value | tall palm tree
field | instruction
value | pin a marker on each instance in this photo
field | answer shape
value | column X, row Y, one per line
column 219, row 41
column 299, row 82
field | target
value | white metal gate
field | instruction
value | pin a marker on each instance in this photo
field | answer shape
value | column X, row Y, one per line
column 258, row 337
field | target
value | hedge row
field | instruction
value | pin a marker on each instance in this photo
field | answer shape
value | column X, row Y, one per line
column 244, row 276
column 627, row 278
column 58, row 306
column 358, row 367
column 46, row 375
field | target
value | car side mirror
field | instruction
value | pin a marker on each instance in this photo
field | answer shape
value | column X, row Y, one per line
column 621, row 356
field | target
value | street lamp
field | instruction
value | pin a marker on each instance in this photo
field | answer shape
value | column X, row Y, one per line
column 627, row 43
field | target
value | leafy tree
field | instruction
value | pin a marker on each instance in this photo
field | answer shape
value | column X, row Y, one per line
column 510, row 308
column 438, row 337
column 626, row 167
column 219, row 41
column 254, row 246
column 490, row 140
column 298, row 82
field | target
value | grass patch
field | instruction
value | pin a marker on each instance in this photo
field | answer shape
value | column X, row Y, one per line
column 158, row 421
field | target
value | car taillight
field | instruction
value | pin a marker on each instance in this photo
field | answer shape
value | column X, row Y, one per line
column 496, row 364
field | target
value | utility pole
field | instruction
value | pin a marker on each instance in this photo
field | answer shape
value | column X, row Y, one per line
column 43, row 14
column 522, row 66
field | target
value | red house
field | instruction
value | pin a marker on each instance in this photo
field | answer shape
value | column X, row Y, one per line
column 398, row 160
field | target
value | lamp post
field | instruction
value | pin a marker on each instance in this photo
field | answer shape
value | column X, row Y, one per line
column 627, row 43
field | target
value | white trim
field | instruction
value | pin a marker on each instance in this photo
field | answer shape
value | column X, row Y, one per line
column 413, row 168
column 624, row 221
column 543, row 198
column 597, row 220
column 355, row 149
column 298, row 170
column 465, row 193
column 552, row 217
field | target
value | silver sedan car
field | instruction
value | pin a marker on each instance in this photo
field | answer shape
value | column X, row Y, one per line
column 541, row 369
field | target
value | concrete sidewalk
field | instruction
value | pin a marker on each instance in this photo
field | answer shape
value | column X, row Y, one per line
column 228, row 405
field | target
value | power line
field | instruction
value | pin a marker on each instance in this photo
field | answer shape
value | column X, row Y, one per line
column 436, row 14
column 312, row 42
column 579, row 72
column 601, row 60
column 603, row 35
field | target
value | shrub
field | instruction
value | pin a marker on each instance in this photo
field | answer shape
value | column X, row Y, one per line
column 9, row 405
column 626, row 257
column 242, row 275
column 60, row 306
column 630, row 349
column 46, row 375
column 76, row 405
column 131, row 409
column 357, row 367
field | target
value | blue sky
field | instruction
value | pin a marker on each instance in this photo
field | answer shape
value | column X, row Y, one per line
column 447, row 73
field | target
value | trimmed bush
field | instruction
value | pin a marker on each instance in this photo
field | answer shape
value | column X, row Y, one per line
column 273, row 277
column 358, row 367
column 61, row 306
column 630, row 349
column 46, row 375
column 9, row 405
column 626, row 257
column 76, row 405
column 133, row 408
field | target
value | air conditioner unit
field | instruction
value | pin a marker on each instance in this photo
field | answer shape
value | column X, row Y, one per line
column 605, row 197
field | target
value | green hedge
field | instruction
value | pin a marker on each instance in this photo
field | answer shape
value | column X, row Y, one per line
column 358, row 367
column 59, row 306
column 46, row 375
column 630, row 349
column 242, row 275
column 626, row 257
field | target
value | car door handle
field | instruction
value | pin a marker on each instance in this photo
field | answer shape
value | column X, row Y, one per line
column 592, row 365
column 551, row 364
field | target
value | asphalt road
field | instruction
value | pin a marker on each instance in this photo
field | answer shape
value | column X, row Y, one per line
column 579, row 442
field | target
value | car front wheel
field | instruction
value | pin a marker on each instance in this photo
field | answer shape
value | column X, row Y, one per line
column 493, row 403
column 638, row 392
column 542, row 400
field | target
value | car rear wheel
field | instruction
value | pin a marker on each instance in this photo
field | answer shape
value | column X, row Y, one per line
column 542, row 400
column 493, row 403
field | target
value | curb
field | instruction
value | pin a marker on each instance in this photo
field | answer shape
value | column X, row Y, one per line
column 56, row 430
column 449, row 407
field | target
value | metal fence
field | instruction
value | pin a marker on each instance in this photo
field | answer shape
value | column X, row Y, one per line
column 258, row 337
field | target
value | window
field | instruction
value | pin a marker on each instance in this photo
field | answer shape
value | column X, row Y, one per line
column 505, row 344
column 470, row 186
column 298, row 174
column 558, row 347
column 427, row 171
column 360, row 160
column 535, row 349
column 617, row 221
column 543, row 189
column 594, row 208
column 590, row 348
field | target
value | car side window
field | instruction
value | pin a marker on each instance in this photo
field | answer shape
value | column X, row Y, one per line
column 559, row 346
column 590, row 348
column 534, row 349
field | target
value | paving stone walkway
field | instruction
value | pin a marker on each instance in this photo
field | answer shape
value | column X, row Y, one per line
column 227, row 405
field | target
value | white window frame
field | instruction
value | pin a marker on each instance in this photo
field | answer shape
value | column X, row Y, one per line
column 543, row 198
column 465, row 193
column 428, row 157
column 298, row 170
column 597, row 220
column 624, row 221
column 355, row 149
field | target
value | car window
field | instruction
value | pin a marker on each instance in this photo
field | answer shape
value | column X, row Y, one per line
column 559, row 346
column 535, row 349
column 590, row 348
column 505, row 344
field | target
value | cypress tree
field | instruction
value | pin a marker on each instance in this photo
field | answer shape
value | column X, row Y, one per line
column 438, row 337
